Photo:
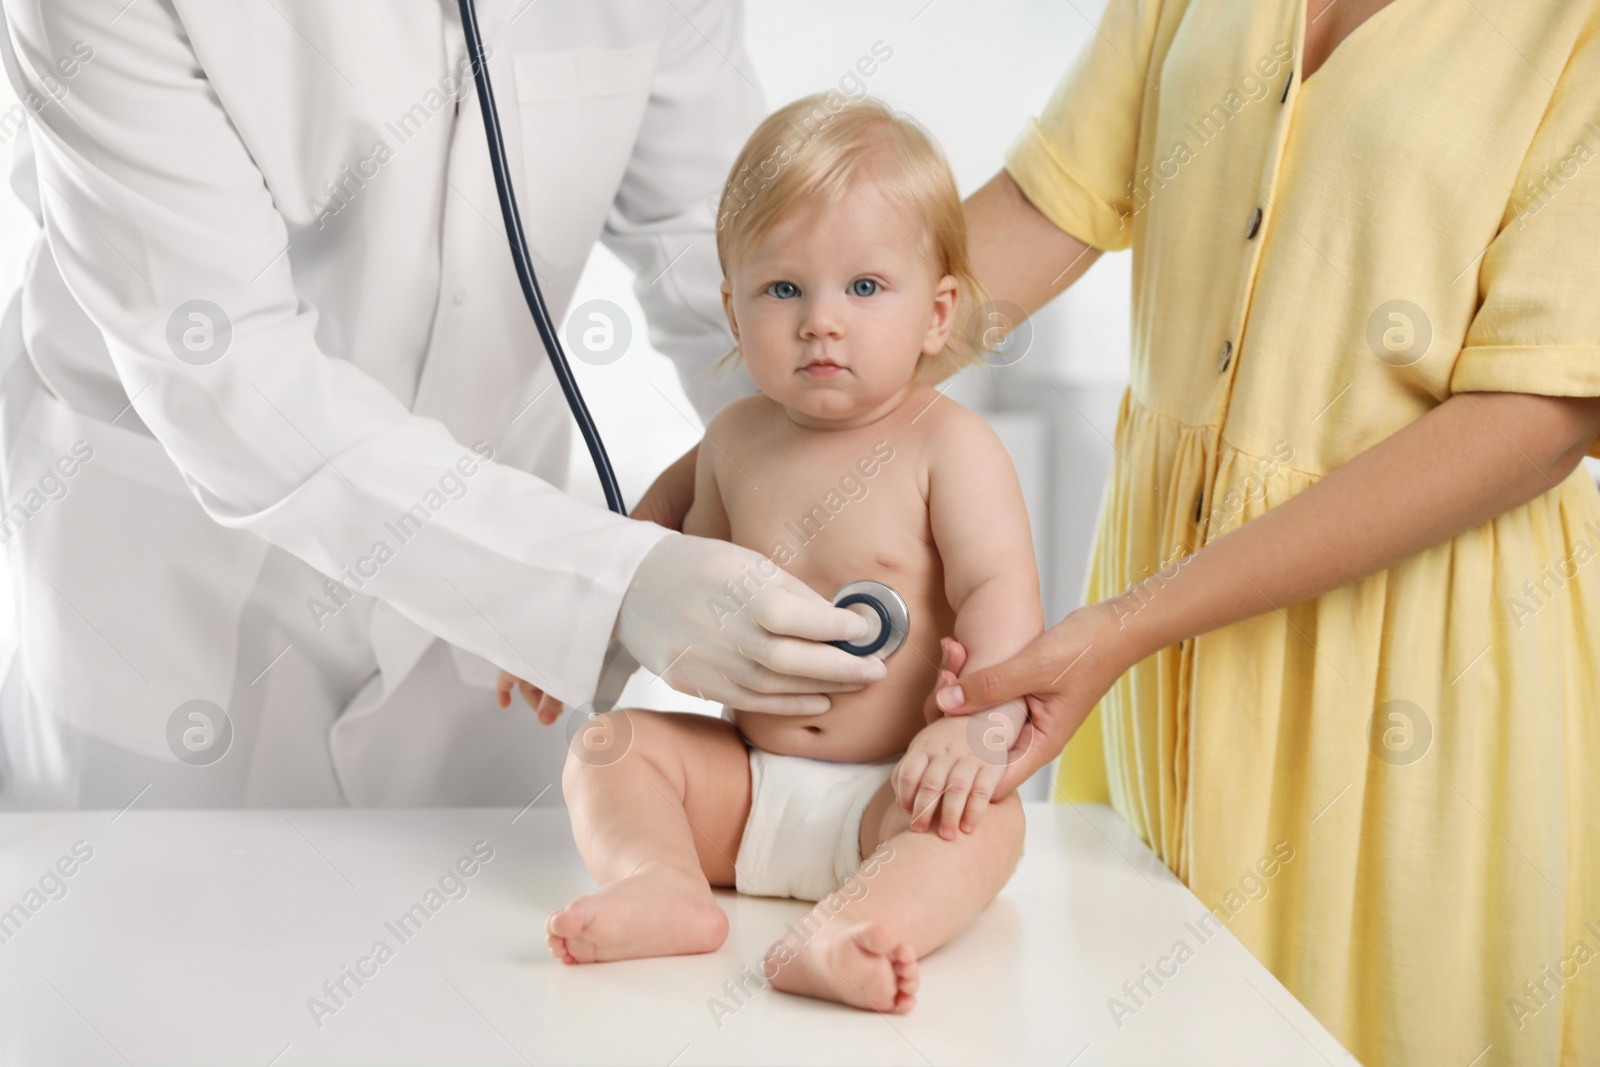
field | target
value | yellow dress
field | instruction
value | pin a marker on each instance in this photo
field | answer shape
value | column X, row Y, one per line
column 1316, row 265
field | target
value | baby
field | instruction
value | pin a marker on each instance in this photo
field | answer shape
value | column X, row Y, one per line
column 843, row 244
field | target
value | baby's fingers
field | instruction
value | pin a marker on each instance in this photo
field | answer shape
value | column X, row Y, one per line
column 983, row 787
column 928, row 794
column 962, row 776
column 531, row 694
column 502, row 688
column 549, row 709
column 907, row 775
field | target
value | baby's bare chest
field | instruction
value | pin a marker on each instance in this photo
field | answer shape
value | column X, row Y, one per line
column 831, row 516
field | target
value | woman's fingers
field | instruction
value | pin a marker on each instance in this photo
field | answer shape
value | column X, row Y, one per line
column 817, row 662
column 1043, row 736
column 1033, row 670
column 759, row 678
column 790, row 607
column 952, row 655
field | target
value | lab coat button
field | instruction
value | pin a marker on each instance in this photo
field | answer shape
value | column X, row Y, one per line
column 460, row 297
column 1226, row 356
column 1255, row 226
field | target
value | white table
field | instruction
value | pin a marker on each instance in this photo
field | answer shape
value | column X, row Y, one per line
column 199, row 937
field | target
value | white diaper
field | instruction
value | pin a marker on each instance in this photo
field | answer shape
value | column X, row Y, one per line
column 802, row 838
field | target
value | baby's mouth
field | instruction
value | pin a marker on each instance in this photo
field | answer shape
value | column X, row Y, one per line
column 823, row 368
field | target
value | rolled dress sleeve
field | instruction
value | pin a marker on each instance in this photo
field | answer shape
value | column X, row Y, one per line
column 1537, row 327
column 1076, row 161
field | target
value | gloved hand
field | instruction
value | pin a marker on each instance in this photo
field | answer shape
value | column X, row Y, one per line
column 724, row 623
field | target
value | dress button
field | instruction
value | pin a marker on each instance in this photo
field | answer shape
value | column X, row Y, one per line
column 1255, row 225
column 1226, row 356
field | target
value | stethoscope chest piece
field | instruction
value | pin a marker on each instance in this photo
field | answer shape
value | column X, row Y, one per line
column 882, row 603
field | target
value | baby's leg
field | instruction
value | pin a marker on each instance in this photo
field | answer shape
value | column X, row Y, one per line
column 657, row 828
column 861, row 946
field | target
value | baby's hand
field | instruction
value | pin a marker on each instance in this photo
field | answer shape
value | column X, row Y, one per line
column 942, row 770
column 545, row 706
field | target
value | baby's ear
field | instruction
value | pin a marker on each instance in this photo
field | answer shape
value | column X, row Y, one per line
column 946, row 295
column 727, row 308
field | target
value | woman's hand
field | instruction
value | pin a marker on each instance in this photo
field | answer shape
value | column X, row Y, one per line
column 545, row 706
column 1061, row 676
column 952, row 659
column 667, row 500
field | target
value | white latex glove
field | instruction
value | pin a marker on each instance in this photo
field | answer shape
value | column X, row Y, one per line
column 725, row 623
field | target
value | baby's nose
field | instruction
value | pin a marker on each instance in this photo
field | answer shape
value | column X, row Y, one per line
column 822, row 319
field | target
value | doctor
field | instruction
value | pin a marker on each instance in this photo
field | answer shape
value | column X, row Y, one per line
column 281, row 447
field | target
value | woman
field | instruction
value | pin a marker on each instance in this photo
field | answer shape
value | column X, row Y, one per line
column 1360, row 653
column 1366, row 359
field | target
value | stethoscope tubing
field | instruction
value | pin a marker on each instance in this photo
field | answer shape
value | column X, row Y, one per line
column 531, row 292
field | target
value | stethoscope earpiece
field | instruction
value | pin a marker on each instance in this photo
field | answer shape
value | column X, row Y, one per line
column 894, row 619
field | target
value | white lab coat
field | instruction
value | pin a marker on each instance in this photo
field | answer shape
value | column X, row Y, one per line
column 302, row 165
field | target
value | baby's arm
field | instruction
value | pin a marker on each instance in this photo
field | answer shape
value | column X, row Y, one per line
column 707, row 517
column 980, row 527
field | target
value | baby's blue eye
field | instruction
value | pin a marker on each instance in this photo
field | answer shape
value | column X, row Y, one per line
column 863, row 287
column 783, row 290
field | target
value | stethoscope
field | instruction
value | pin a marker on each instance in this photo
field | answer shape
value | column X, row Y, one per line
column 882, row 602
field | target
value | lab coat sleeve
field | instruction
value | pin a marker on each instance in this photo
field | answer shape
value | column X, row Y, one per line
column 150, row 199
column 704, row 102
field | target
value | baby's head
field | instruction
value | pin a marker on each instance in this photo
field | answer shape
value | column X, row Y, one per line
column 844, row 256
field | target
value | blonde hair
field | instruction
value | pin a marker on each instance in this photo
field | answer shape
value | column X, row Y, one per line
column 817, row 146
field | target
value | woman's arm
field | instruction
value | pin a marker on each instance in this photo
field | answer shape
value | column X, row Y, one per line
column 1018, row 254
column 1475, row 456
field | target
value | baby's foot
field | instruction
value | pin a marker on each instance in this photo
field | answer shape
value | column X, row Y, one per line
column 858, row 965
column 658, row 910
